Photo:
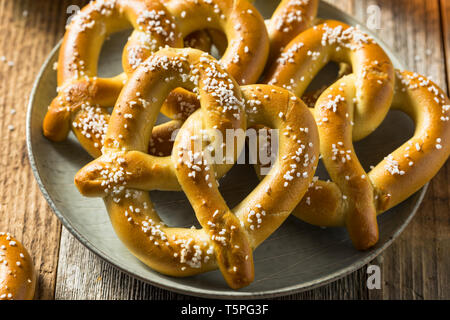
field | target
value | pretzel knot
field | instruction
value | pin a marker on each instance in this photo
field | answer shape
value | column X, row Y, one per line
column 125, row 171
column 83, row 97
column 351, row 109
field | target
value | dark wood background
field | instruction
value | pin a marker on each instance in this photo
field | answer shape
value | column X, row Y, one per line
column 416, row 266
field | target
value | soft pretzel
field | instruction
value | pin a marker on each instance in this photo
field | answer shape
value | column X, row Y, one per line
column 125, row 170
column 290, row 19
column 354, row 197
column 17, row 276
column 373, row 86
column 351, row 109
column 83, row 97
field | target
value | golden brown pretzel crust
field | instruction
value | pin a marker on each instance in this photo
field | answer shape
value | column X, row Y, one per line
column 355, row 197
column 289, row 19
column 17, row 276
column 156, row 25
column 227, row 237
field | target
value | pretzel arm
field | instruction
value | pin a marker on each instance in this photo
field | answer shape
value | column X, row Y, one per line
column 79, row 55
column 89, row 125
column 414, row 163
column 154, row 28
column 180, row 104
column 163, row 137
column 142, row 171
column 230, row 241
column 173, row 251
column 289, row 19
column 327, row 210
column 334, row 116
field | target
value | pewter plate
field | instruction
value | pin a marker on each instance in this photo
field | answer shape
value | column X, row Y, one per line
column 296, row 257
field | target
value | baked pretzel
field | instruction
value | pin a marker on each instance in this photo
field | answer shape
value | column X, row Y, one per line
column 83, row 97
column 125, row 170
column 350, row 110
column 17, row 276
column 354, row 198
column 373, row 76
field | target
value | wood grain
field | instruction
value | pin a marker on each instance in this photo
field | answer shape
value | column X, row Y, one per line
column 445, row 17
column 415, row 266
column 28, row 34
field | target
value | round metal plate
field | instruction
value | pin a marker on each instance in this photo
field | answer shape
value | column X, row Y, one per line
column 296, row 257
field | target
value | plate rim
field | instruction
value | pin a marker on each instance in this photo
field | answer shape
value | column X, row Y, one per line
column 187, row 289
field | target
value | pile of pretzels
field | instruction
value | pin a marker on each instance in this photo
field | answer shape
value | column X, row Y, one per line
column 259, row 82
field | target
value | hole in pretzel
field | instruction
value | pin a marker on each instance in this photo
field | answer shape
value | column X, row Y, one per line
column 174, row 207
column 325, row 78
column 396, row 129
column 213, row 41
column 110, row 61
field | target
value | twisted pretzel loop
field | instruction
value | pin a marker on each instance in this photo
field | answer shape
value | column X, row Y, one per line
column 228, row 236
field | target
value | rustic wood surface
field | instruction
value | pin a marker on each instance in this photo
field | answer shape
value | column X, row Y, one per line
column 415, row 267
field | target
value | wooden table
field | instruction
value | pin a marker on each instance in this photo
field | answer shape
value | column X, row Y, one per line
column 416, row 266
